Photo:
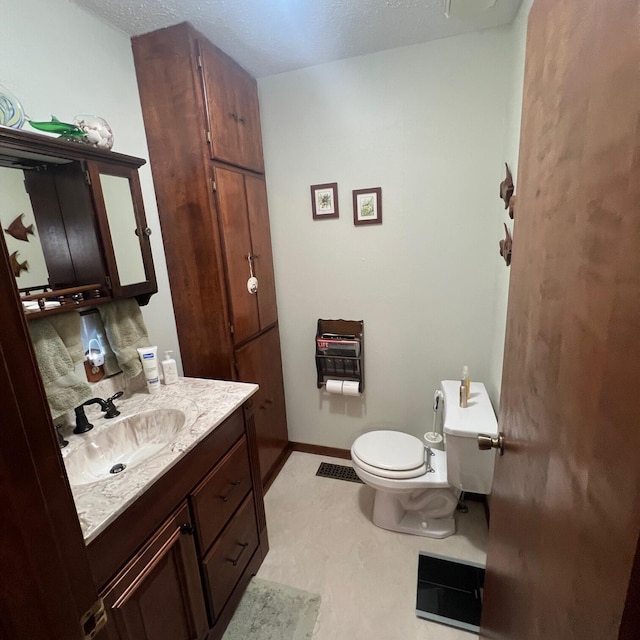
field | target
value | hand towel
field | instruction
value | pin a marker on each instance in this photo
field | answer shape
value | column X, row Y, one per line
column 64, row 389
column 68, row 328
column 126, row 331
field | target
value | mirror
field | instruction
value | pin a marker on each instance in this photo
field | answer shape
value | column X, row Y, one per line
column 118, row 202
column 20, row 231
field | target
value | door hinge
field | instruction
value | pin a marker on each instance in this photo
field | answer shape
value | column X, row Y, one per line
column 108, row 282
column 231, row 328
column 87, row 177
column 199, row 61
column 214, row 186
column 94, row 620
column 208, row 135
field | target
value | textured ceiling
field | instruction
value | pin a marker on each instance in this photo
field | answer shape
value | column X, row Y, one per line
column 272, row 36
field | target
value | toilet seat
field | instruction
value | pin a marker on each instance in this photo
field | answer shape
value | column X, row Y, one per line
column 390, row 454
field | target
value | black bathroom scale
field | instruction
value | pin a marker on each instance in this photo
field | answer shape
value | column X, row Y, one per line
column 450, row 591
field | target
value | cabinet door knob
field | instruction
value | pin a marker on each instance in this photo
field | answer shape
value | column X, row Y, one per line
column 187, row 529
column 145, row 232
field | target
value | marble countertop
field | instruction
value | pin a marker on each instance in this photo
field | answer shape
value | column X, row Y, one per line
column 205, row 405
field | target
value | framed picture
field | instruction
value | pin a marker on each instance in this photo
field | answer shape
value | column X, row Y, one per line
column 324, row 200
column 367, row 206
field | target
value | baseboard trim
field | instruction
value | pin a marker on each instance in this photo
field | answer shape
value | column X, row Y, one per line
column 316, row 449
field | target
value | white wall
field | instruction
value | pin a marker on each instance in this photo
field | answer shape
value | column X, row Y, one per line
column 425, row 123
column 58, row 59
column 518, row 35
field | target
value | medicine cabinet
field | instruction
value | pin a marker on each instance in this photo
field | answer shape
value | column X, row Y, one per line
column 82, row 236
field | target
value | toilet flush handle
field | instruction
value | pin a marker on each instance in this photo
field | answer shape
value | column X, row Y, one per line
column 486, row 442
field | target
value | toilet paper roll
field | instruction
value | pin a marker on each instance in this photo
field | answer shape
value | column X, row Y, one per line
column 350, row 388
column 334, row 386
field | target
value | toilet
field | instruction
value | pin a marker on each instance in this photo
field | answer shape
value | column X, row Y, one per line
column 419, row 496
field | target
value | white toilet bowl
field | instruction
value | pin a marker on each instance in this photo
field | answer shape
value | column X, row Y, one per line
column 408, row 498
column 412, row 499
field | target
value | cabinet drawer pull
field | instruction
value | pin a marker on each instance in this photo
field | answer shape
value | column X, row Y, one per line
column 187, row 529
column 235, row 561
column 233, row 486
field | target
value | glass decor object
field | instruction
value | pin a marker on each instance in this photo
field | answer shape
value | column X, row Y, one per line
column 54, row 125
column 11, row 111
column 92, row 130
column 96, row 131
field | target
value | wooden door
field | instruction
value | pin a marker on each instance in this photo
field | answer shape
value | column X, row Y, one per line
column 236, row 242
column 159, row 596
column 259, row 362
column 46, row 584
column 231, row 100
column 218, row 83
column 249, row 130
column 261, row 243
column 565, row 515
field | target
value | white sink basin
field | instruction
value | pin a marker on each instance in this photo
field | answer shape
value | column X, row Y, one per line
column 123, row 445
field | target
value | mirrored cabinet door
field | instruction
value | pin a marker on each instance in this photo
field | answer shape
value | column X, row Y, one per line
column 123, row 225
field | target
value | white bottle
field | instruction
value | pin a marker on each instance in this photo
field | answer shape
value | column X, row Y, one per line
column 169, row 368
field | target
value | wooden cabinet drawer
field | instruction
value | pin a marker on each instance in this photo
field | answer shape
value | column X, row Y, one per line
column 218, row 496
column 229, row 556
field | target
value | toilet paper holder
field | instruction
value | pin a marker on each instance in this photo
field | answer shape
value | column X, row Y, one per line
column 340, row 351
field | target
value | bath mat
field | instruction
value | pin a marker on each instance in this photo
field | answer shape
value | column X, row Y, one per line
column 450, row 591
column 271, row 611
column 337, row 471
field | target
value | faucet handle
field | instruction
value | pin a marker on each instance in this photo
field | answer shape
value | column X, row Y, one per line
column 109, row 408
column 61, row 441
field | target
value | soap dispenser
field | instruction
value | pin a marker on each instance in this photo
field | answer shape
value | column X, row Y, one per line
column 169, row 368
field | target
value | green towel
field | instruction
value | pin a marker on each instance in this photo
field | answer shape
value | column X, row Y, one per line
column 64, row 389
column 125, row 331
column 67, row 325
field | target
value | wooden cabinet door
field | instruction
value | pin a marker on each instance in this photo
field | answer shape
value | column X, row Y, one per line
column 158, row 595
column 236, row 242
column 261, row 243
column 259, row 362
column 249, row 130
column 231, row 99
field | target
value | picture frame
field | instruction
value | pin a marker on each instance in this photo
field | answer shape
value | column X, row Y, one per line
column 324, row 201
column 367, row 206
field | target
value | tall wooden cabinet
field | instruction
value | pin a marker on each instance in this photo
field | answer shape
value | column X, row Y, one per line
column 203, row 129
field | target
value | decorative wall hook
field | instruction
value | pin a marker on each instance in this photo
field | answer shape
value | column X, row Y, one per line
column 507, row 187
column 506, row 245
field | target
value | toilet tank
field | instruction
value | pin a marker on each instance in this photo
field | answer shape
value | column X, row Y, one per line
column 468, row 468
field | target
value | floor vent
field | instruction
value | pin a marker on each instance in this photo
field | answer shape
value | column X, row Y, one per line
column 337, row 471
column 450, row 591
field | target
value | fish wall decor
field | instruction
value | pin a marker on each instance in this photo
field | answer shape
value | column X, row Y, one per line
column 18, row 231
column 507, row 187
column 18, row 267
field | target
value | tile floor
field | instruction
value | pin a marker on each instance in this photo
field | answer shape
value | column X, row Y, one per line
column 322, row 540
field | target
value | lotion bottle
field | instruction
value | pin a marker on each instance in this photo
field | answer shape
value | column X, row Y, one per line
column 169, row 368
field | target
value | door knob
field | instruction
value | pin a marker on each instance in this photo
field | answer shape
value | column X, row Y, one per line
column 486, row 442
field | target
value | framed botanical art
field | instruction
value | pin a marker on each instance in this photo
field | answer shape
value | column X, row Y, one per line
column 324, row 200
column 367, row 206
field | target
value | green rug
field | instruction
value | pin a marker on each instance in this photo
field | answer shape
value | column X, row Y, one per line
column 271, row 611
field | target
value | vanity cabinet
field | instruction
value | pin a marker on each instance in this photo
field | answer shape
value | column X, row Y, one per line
column 203, row 129
column 88, row 209
column 158, row 595
column 182, row 575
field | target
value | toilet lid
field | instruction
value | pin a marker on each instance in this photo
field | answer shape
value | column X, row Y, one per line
column 390, row 450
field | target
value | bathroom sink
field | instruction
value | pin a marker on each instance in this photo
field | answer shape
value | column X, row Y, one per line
column 123, row 445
